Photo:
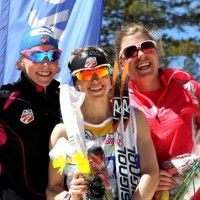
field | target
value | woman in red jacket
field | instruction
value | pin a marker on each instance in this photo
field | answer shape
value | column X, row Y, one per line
column 169, row 98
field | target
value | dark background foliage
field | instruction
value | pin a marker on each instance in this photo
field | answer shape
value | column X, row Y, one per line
column 177, row 23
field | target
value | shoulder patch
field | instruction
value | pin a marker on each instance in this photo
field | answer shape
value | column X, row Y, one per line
column 27, row 116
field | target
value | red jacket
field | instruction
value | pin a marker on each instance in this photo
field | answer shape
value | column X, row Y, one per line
column 173, row 121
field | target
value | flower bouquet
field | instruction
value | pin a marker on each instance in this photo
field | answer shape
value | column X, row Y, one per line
column 72, row 154
column 186, row 172
column 67, row 160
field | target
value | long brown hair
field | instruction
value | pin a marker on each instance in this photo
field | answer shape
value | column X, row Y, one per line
column 131, row 29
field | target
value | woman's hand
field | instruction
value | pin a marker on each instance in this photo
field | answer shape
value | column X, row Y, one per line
column 166, row 181
column 79, row 186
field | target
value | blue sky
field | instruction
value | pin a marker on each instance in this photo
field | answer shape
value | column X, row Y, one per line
column 189, row 32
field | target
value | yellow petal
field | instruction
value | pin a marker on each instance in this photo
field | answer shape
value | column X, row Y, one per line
column 82, row 163
column 165, row 195
column 60, row 163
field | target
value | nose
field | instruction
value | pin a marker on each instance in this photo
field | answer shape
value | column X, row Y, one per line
column 95, row 77
column 45, row 62
column 140, row 52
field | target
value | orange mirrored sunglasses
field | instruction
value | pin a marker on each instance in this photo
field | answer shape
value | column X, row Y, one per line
column 86, row 75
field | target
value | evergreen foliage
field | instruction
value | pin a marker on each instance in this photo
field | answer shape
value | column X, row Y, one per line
column 172, row 19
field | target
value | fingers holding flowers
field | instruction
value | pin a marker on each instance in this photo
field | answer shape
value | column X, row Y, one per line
column 79, row 186
column 166, row 181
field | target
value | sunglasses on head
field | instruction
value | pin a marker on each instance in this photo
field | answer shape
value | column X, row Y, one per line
column 87, row 74
column 38, row 55
column 144, row 46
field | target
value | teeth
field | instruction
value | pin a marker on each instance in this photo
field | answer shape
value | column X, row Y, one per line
column 144, row 64
column 96, row 88
column 44, row 73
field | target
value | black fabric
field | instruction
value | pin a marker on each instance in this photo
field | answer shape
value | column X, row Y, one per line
column 25, row 155
column 80, row 60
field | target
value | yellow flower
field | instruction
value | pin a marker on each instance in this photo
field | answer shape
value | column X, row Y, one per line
column 61, row 162
column 82, row 163
column 78, row 158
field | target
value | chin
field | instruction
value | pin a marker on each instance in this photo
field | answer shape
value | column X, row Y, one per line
column 44, row 84
column 98, row 95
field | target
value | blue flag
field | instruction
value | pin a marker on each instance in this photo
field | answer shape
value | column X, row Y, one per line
column 76, row 23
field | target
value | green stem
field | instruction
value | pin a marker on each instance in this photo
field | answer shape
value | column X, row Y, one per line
column 184, row 186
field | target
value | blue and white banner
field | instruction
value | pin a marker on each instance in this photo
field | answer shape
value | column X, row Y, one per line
column 76, row 23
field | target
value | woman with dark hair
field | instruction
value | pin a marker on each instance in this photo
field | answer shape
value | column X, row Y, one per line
column 90, row 71
column 169, row 98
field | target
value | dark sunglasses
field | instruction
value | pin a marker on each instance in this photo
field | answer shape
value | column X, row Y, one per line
column 38, row 56
column 144, row 46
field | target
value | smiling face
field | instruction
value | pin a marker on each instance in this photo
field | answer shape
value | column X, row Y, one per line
column 96, row 87
column 144, row 65
column 41, row 73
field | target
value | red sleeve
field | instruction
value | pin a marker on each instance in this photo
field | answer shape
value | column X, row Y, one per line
column 3, row 140
column 3, row 137
column 197, row 89
column 197, row 94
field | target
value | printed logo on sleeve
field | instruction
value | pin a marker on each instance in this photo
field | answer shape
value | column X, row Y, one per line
column 27, row 116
